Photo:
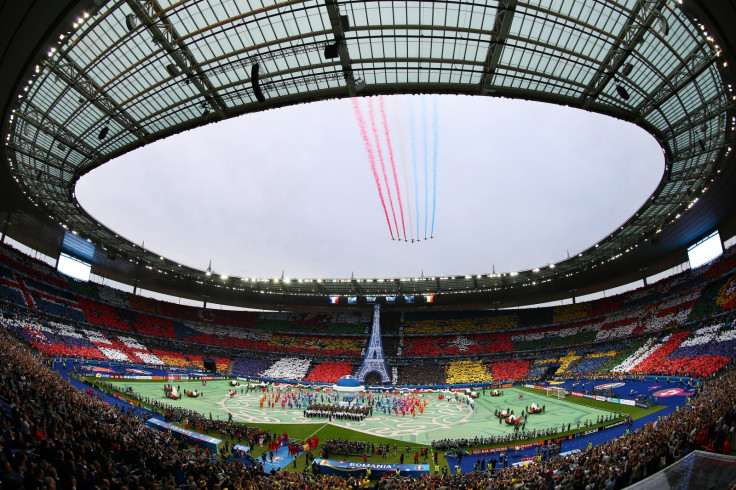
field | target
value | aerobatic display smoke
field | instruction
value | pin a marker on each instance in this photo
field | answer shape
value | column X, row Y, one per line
column 393, row 163
column 372, row 116
column 399, row 120
column 371, row 159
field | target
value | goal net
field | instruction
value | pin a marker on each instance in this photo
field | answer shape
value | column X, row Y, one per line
column 556, row 391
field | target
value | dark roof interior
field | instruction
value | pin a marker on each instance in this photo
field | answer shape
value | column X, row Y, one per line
column 28, row 29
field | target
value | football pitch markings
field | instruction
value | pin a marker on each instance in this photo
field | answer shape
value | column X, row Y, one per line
column 441, row 419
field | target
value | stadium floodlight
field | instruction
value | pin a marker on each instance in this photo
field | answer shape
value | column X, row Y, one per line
column 664, row 26
column 626, row 69
column 332, row 51
column 172, row 69
column 255, row 84
column 131, row 22
column 622, row 92
column 359, row 85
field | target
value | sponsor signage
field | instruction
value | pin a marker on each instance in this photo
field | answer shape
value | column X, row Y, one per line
column 561, row 438
column 155, row 378
column 347, row 468
column 189, row 436
column 642, row 405
column 493, row 450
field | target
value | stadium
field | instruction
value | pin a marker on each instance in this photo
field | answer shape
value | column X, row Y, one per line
column 452, row 369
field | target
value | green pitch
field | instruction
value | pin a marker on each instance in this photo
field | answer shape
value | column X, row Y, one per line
column 442, row 419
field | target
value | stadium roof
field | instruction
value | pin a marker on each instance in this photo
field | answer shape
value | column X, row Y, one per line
column 84, row 82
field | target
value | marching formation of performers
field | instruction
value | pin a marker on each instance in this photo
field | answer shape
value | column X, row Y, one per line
column 330, row 412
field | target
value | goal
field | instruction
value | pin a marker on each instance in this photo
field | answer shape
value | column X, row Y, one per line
column 556, row 391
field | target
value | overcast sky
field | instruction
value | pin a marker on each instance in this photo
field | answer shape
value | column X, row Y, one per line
column 518, row 185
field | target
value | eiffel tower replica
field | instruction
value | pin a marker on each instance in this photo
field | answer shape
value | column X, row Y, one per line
column 374, row 360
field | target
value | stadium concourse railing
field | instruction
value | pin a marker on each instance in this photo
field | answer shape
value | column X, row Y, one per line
column 671, row 312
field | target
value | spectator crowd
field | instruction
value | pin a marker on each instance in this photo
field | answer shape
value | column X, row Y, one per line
column 55, row 436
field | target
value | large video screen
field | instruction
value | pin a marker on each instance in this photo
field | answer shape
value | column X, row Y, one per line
column 71, row 266
column 78, row 246
column 705, row 250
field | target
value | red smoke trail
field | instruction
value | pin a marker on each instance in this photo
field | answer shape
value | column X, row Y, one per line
column 393, row 164
column 371, row 159
column 380, row 159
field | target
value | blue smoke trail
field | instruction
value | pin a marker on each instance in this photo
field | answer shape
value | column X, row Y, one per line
column 434, row 161
column 414, row 159
column 426, row 165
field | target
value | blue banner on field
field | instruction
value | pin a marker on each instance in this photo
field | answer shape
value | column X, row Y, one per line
column 191, row 437
column 354, row 468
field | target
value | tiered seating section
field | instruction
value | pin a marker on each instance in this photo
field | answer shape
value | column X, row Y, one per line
column 329, row 371
column 460, row 372
column 439, row 322
column 510, row 370
column 588, row 362
column 699, row 353
column 436, row 346
column 59, row 339
column 422, row 372
column 290, row 368
column 680, row 325
column 190, row 361
column 245, row 366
